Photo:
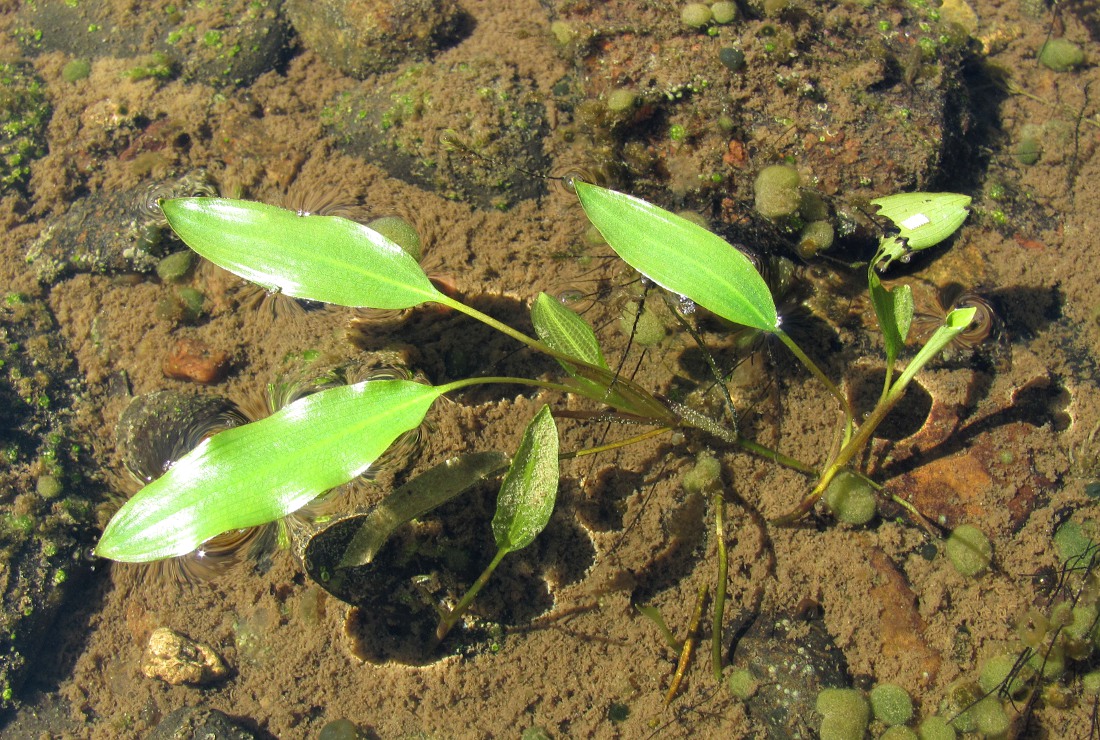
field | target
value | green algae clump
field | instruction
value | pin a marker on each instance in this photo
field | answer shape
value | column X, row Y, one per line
column 1061, row 55
column 845, row 714
column 24, row 113
column 400, row 232
column 695, row 15
column 850, row 498
column 969, row 550
column 936, row 728
column 776, row 189
column 891, row 704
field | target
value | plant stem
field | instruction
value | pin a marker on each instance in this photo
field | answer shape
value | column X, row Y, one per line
column 447, row 622
column 813, row 368
column 503, row 328
column 504, row 380
column 615, row 445
column 775, row 456
column 720, row 591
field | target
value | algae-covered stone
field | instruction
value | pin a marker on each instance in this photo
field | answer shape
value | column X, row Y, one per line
column 47, row 514
column 474, row 142
column 24, row 113
column 128, row 237
column 362, row 39
column 176, row 659
column 217, row 42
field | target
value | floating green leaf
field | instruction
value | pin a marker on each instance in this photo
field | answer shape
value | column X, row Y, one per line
column 564, row 331
column 681, row 256
column 321, row 258
column 527, row 495
column 260, row 472
column 923, row 219
column 894, row 309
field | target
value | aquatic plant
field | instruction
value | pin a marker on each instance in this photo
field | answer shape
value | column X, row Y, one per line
column 261, row 472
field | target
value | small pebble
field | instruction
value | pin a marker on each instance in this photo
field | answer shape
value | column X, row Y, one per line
column 194, row 360
column 177, row 659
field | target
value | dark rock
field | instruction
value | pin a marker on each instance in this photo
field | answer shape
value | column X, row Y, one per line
column 44, row 530
column 792, row 659
column 362, row 39
column 476, row 143
column 111, row 231
column 199, row 723
column 220, row 43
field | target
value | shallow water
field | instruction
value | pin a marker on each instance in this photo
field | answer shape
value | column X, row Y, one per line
column 1002, row 438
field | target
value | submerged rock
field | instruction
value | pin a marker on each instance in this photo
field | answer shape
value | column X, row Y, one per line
column 112, row 231
column 199, row 723
column 362, row 39
column 472, row 131
column 47, row 505
column 791, row 659
column 177, row 659
column 220, row 42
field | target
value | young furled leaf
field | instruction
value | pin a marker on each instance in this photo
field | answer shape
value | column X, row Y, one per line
column 681, row 256
column 320, row 258
column 260, row 472
column 894, row 310
column 530, row 488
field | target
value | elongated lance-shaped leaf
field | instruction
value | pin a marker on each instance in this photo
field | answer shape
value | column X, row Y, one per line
column 530, row 488
column 564, row 331
column 681, row 256
column 260, row 472
column 321, row 258
column 432, row 488
column 923, row 220
column 894, row 310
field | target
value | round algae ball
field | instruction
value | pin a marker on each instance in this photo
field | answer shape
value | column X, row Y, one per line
column 898, row 733
column 891, row 704
column 776, row 189
column 845, row 714
column 741, row 683
column 850, row 498
column 703, row 477
column 936, row 728
column 996, row 671
column 695, row 15
column 724, row 12
column 400, row 232
column 646, row 326
column 621, row 100
column 77, row 69
column 1061, row 55
column 991, row 717
column 816, row 236
column 969, row 550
